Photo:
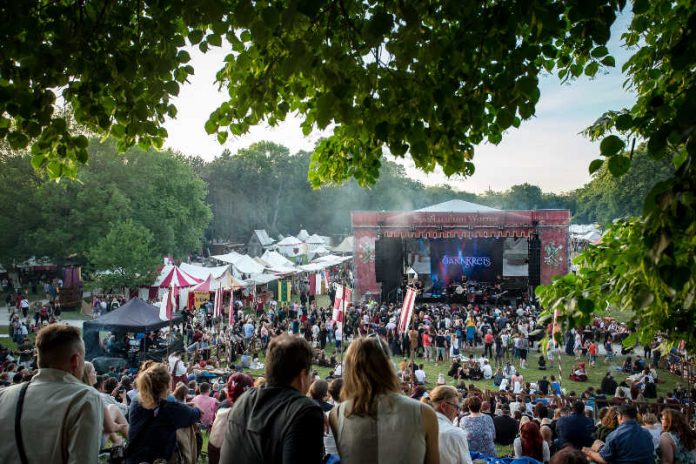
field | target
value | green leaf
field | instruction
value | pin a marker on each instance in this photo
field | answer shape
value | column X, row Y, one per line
column 599, row 52
column 591, row 69
column 619, row 165
column 609, row 61
column 214, row 39
column 595, row 165
column 624, row 122
column 611, row 145
column 222, row 137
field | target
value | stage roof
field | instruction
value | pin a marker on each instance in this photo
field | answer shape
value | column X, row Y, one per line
column 456, row 206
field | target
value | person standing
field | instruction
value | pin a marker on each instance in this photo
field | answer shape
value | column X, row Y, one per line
column 277, row 422
column 69, row 430
column 452, row 440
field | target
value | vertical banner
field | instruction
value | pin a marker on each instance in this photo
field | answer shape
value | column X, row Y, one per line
column 284, row 291
column 338, row 305
column 230, row 316
column 407, row 310
column 167, row 305
column 217, row 304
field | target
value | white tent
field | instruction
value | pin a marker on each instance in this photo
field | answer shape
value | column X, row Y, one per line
column 291, row 246
column 346, row 246
column 276, row 259
column 202, row 272
column 240, row 263
column 303, row 235
column 260, row 279
column 456, row 206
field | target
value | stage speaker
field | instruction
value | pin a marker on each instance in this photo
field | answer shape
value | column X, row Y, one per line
column 534, row 247
column 388, row 260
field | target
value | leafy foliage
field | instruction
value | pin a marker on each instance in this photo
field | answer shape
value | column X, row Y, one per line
column 607, row 197
column 647, row 264
column 156, row 190
column 430, row 78
column 125, row 258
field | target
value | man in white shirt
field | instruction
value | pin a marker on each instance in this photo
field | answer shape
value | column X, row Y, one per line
column 487, row 370
column 452, row 443
column 420, row 375
column 177, row 369
column 61, row 417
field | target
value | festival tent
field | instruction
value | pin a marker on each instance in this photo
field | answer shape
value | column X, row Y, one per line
column 227, row 281
column 135, row 316
column 277, row 263
column 457, row 206
column 260, row 279
column 172, row 276
column 346, row 246
column 321, row 250
column 243, row 264
column 290, row 246
column 303, row 235
column 202, row 272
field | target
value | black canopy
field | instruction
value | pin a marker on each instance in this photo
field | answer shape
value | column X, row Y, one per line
column 134, row 316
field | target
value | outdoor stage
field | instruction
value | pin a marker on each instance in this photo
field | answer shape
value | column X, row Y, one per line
column 442, row 243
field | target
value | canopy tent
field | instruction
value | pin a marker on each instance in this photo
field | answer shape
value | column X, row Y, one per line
column 314, row 267
column 135, row 316
column 240, row 263
column 315, row 239
column 229, row 282
column 205, row 286
column 202, row 272
column 277, row 263
column 260, row 279
column 346, row 246
column 291, row 246
column 172, row 276
column 303, row 235
column 321, row 250
column 457, row 206
column 333, row 260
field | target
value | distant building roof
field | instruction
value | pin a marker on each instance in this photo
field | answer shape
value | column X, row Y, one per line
column 263, row 237
column 457, row 206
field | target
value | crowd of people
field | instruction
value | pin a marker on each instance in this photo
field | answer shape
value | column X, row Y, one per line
column 367, row 409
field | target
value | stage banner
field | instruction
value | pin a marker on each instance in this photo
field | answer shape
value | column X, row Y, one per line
column 480, row 259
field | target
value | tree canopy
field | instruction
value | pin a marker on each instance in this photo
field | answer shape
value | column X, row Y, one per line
column 429, row 78
column 156, row 190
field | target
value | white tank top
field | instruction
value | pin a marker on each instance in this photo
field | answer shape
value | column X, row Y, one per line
column 395, row 436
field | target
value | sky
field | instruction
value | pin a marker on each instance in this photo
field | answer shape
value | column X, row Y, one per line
column 546, row 150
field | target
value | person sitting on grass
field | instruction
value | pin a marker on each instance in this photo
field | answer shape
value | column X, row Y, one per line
column 579, row 373
column 542, row 363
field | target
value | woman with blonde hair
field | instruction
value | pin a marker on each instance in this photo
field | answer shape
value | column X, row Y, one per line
column 153, row 419
column 678, row 440
column 375, row 422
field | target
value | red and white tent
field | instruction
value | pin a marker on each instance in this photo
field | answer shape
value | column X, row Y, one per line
column 205, row 286
column 172, row 276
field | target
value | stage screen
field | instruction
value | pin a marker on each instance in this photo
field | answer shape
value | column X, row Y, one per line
column 480, row 259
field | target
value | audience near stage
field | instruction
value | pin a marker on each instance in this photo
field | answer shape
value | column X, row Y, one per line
column 221, row 378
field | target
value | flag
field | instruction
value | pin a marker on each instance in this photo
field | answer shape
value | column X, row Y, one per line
column 325, row 276
column 338, row 305
column 284, row 291
column 315, row 281
column 167, row 305
column 217, row 303
column 407, row 310
column 231, row 312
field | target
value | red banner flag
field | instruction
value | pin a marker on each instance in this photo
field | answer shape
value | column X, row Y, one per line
column 407, row 310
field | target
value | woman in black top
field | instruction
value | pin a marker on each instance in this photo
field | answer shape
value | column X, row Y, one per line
column 153, row 418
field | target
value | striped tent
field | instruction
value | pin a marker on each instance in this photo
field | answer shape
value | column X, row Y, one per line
column 172, row 276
